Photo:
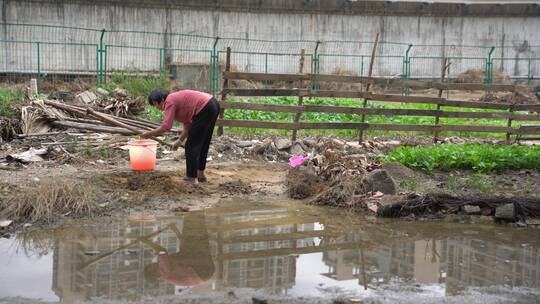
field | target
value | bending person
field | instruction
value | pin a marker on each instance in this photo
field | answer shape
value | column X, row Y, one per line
column 198, row 111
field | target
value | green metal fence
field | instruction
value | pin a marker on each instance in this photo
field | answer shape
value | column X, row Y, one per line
column 57, row 53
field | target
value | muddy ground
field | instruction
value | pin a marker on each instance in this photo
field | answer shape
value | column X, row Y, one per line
column 238, row 167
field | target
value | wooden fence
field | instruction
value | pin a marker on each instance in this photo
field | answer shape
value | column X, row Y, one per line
column 514, row 112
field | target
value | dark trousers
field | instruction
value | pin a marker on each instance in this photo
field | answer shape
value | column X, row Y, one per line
column 199, row 137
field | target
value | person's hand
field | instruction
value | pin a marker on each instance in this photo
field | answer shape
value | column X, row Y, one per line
column 178, row 143
column 146, row 135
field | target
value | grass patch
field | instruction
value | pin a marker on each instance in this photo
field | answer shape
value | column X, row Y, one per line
column 8, row 100
column 136, row 86
column 480, row 158
column 52, row 199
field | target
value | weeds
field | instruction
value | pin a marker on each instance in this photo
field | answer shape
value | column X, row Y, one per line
column 410, row 185
column 478, row 181
column 8, row 100
column 136, row 86
column 51, row 199
column 480, row 158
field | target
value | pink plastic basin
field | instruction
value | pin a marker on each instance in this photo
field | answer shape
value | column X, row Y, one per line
column 142, row 154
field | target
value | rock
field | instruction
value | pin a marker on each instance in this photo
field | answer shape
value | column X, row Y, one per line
column 256, row 300
column 31, row 155
column 470, row 209
column 309, row 142
column 296, row 149
column 282, row 143
column 505, row 212
column 533, row 221
column 102, row 91
column 120, row 92
column 5, row 224
column 61, row 95
column 87, row 97
column 244, row 143
column 380, row 180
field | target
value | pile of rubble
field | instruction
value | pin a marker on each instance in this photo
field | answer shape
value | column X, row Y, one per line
column 512, row 97
column 275, row 149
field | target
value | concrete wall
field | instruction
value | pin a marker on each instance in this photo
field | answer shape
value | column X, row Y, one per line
column 514, row 28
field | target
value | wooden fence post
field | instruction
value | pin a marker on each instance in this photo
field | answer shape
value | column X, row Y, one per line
column 300, row 98
column 444, row 66
column 368, row 86
column 509, row 125
column 224, row 89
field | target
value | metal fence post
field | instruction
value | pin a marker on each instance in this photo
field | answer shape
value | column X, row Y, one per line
column 407, row 70
column 214, row 68
column 529, row 72
column 161, row 58
column 101, row 63
column 489, row 66
column 38, row 47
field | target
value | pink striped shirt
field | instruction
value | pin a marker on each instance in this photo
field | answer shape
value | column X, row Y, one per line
column 182, row 106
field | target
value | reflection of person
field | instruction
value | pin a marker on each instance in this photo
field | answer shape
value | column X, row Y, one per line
column 193, row 264
column 198, row 112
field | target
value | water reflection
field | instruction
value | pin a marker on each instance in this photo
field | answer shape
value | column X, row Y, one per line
column 259, row 246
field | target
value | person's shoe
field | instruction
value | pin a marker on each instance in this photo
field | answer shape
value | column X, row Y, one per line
column 190, row 181
column 202, row 179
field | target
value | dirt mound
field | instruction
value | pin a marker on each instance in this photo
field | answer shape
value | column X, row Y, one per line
column 236, row 187
column 159, row 184
column 513, row 97
column 479, row 75
column 346, row 193
column 303, row 182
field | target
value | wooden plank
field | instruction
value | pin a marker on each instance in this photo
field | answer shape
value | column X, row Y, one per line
column 528, row 130
column 475, row 104
column 288, row 125
column 333, row 125
column 340, row 94
column 380, row 97
column 376, row 111
column 265, row 76
column 266, row 92
column 341, row 78
column 91, row 127
column 527, row 107
column 466, row 128
column 397, row 127
column 362, row 126
column 256, row 124
column 406, row 99
column 260, row 107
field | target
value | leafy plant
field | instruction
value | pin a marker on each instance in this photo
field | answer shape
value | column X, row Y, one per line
column 480, row 158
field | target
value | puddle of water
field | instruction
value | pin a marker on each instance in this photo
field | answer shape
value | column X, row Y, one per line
column 279, row 249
